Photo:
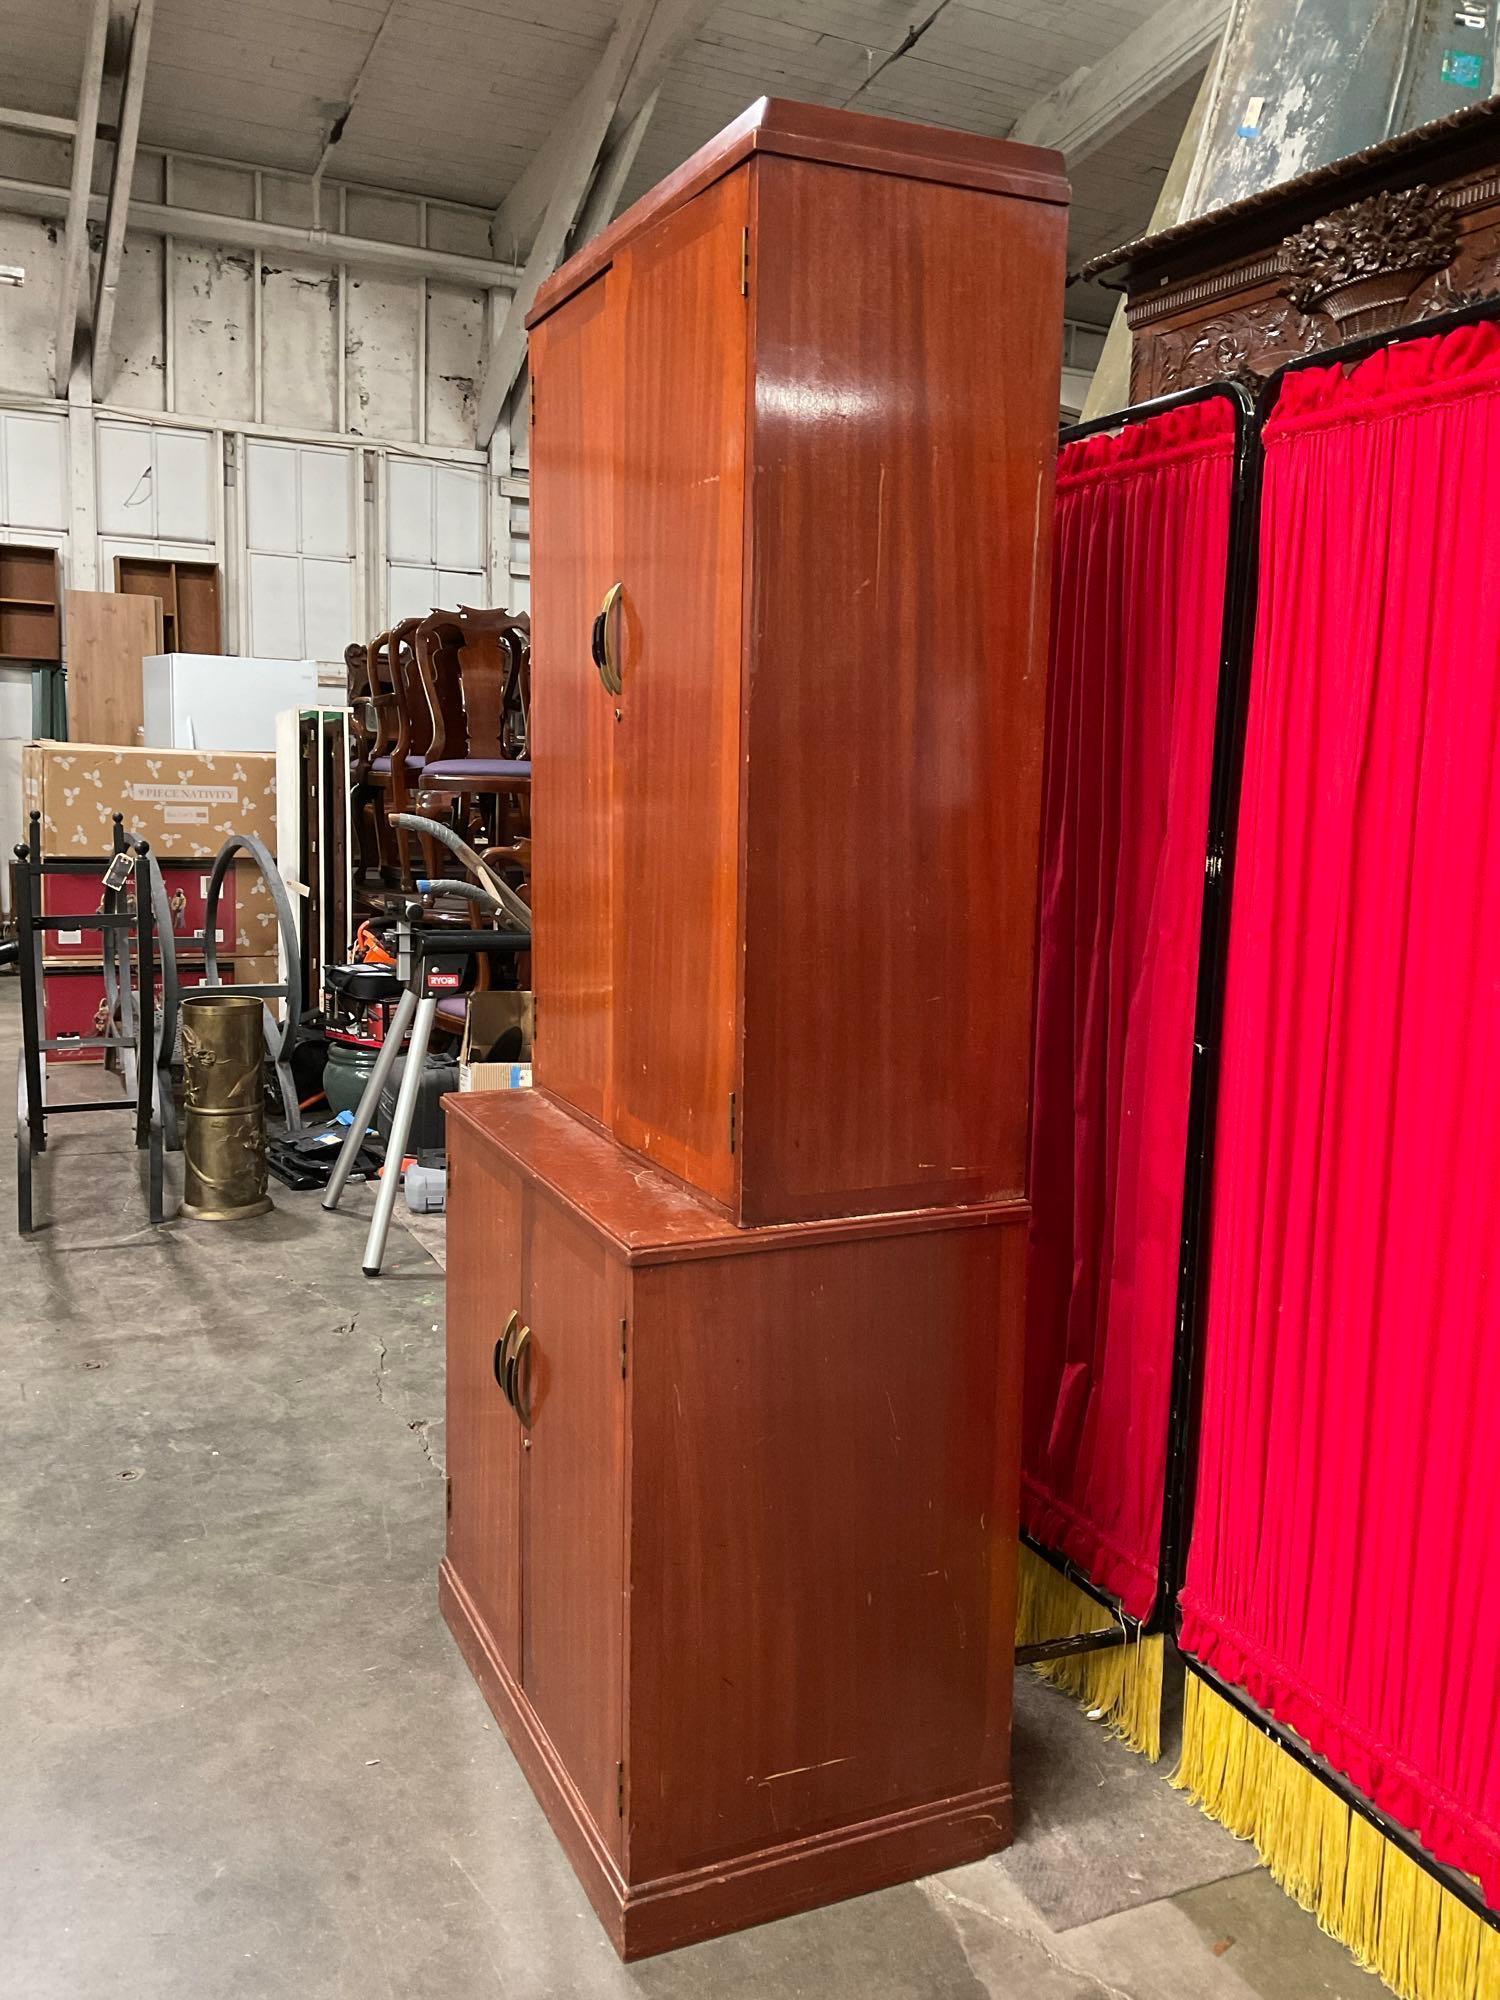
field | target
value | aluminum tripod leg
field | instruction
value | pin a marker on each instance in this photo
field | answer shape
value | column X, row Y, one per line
column 369, row 1102
column 406, row 1105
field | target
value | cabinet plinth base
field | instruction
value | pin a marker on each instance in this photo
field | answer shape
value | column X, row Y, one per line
column 647, row 1917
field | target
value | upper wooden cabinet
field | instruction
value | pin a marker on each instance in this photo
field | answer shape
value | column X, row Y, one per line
column 794, row 418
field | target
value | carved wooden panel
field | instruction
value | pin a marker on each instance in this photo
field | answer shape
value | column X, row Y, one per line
column 1401, row 254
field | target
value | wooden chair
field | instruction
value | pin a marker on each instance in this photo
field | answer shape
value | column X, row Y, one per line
column 384, row 730
column 406, row 737
column 364, row 794
column 475, row 667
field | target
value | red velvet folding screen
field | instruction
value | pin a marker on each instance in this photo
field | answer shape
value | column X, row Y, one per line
column 1140, row 555
column 1345, row 1561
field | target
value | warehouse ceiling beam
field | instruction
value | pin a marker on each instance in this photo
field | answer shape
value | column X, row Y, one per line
column 570, row 189
column 237, row 232
column 339, row 122
column 75, row 261
column 117, row 206
column 1090, row 107
column 39, row 122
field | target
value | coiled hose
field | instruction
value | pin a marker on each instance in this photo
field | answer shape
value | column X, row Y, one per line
column 504, row 897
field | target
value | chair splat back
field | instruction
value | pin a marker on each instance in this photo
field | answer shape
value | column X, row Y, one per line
column 439, row 643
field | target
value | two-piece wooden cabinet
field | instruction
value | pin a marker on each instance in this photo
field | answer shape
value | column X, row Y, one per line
column 794, row 428
column 736, row 1293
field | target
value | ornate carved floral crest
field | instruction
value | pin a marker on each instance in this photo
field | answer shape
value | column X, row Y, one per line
column 1396, row 234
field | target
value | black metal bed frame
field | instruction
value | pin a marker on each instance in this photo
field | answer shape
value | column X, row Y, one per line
column 1184, row 1410
column 132, row 1003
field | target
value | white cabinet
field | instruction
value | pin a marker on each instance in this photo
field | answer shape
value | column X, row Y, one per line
column 217, row 701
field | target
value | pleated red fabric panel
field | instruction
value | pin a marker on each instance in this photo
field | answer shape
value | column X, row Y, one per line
column 1345, row 1560
column 1140, row 553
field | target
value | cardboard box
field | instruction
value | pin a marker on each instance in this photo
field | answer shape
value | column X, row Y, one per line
column 255, row 913
column 261, row 971
column 185, row 802
column 186, row 884
column 488, row 1017
column 73, row 1004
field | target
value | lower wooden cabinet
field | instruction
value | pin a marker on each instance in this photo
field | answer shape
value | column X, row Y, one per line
column 732, row 1516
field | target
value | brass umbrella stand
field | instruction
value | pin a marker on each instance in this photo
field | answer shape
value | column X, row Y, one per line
column 224, row 1126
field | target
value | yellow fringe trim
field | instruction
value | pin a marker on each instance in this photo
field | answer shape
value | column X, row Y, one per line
column 1392, row 1915
column 1120, row 1687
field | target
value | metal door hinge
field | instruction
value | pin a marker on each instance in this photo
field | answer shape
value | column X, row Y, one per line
column 733, row 1120
column 624, row 1330
column 745, row 263
column 620, row 1789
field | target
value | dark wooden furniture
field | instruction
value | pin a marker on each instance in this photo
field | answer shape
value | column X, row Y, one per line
column 364, row 732
column 189, row 597
column 474, row 665
column 30, row 604
column 795, row 405
column 740, row 1587
column 736, row 1294
column 1403, row 231
column 398, row 750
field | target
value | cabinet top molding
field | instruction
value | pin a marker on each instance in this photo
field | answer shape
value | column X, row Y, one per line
column 1468, row 141
column 646, row 1217
column 853, row 139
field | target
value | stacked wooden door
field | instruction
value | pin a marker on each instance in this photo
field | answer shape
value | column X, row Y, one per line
column 793, row 420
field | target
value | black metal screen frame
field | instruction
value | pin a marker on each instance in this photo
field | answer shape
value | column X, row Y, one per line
column 1464, row 1887
column 1236, row 635
column 118, row 920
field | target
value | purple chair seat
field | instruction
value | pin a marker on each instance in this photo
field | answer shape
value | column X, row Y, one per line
column 469, row 770
column 454, row 1011
column 414, row 762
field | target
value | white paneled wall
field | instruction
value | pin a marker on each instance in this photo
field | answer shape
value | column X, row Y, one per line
column 435, row 535
column 156, row 483
column 33, row 473
column 302, row 550
column 305, row 425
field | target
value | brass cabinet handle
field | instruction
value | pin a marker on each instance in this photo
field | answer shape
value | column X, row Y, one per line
column 602, row 643
column 502, row 1356
column 520, row 1387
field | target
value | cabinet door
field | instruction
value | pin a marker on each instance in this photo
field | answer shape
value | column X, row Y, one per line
column 483, row 1436
column 574, row 1578
column 677, row 744
column 575, row 483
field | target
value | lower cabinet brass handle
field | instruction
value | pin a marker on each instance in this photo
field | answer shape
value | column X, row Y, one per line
column 606, row 657
column 502, row 1356
column 520, row 1386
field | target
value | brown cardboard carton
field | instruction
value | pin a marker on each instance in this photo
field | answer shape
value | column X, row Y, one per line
column 255, row 913
column 184, row 802
column 489, row 1014
column 257, row 971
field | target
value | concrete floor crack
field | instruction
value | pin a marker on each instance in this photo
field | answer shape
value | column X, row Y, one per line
column 380, row 1368
column 421, row 1426
column 950, row 1902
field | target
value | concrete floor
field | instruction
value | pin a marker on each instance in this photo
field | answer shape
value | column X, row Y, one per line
column 240, row 1756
